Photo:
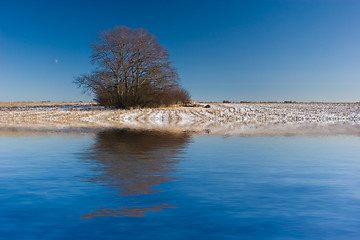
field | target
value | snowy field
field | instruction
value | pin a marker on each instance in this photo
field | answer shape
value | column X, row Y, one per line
column 231, row 118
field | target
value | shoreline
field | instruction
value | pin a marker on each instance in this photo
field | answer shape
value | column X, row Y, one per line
column 220, row 118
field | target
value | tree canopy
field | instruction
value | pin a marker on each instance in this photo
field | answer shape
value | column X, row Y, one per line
column 132, row 70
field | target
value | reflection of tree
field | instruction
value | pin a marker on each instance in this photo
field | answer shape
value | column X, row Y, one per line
column 135, row 211
column 135, row 161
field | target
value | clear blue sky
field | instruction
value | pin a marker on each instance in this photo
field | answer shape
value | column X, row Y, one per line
column 252, row 50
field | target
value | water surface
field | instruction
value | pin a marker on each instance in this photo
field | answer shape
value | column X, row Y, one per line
column 121, row 184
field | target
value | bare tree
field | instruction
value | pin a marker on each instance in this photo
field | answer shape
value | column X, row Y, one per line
column 132, row 70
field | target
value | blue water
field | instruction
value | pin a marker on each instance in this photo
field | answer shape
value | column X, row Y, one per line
column 149, row 185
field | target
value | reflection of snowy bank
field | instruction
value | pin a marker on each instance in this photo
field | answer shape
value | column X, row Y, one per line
column 219, row 118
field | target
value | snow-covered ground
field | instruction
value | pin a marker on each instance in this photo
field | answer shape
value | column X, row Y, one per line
column 232, row 118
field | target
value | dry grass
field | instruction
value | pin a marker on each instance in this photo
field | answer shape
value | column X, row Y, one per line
column 41, row 104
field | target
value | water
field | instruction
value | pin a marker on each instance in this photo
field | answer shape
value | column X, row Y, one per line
column 152, row 185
